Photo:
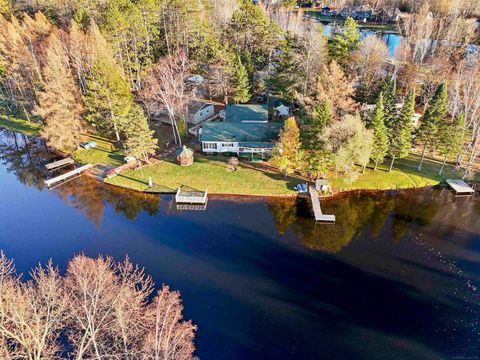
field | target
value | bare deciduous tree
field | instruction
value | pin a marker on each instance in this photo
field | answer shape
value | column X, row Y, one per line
column 165, row 87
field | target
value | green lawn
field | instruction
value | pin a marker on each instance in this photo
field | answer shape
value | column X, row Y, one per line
column 404, row 175
column 211, row 173
column 28, row 128
column 208, row 173
column 104, row 153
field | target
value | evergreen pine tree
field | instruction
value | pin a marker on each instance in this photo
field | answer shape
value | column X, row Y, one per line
column 389, row 91
column 241, row 83
column 283, row 80
column 108, row 97
column 322, row 116
column 58, row 102
column 380, row 138
column 432, row 119
column 286, row 156
column 451, row 135
column 343, row 43
column 140, row 141
column 401, row 131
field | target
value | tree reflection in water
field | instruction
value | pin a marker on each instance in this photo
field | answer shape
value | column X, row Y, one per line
column 25, row 157
column 376, row 214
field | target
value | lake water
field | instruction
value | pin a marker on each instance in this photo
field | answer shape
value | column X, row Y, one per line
column 396, row 277
column 391, row 38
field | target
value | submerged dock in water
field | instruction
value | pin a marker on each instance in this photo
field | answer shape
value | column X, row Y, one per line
column 460, row 187
column 317, row 211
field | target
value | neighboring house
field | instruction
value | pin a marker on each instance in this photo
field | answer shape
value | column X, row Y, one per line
column 361, row 13
column 199, row 112
column 328, row 11
column 248, row 113
column 240, row 138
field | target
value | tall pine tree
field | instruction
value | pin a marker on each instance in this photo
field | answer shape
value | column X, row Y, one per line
column 389, row 91
column 108, row 97
column 401, row 131
column 342, row 44
column 140, row 141
column 451, row 136
column 432, row 119
column 380, row 138
column 241, row 83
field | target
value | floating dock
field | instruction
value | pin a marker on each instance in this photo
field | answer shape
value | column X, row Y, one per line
column 191, row 197
column 67, row 175
column 59, row 164
column 460, row 187
column 317, row 211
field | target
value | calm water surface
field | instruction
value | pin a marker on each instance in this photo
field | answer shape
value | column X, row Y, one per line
column 396, row 277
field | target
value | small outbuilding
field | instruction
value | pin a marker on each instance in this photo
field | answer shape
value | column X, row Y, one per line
column 184, row 156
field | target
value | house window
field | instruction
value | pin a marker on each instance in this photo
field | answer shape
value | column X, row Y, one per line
column 210, row 145
column 201, row 114
column 227, row 145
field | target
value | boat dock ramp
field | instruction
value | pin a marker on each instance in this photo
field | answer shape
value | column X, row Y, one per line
column 460, row 187
column 317, row 211
column 67, row 176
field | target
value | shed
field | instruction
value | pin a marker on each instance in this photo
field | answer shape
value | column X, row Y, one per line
column 184, row 156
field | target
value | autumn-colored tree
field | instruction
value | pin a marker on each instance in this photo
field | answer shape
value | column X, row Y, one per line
column 333, row 84
column 59, row 102
column 286, row 156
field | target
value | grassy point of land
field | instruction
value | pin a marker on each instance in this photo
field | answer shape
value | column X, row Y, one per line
column 105, row 153
column 208, row 173
column 25, row 127
column 404, row 175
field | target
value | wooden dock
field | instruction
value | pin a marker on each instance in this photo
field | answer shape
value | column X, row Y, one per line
column 317, row 211
column 460, row 187
column 191, row 197
column 59, row 164
column 66, row 176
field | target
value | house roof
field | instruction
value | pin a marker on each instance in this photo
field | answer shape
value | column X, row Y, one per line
column 241, row 132
column 246, row 113
column 194, row 106
column 183, row 152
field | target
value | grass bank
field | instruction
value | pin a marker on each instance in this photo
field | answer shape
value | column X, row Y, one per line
column 404, row 175
column 211, row 173
column 28, row 128
column 208, row 173
column 105, row 152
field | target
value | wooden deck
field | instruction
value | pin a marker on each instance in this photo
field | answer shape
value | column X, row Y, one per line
column 67, row 175
column 191, row 197
column 60, row 163
column 317, row 211
column 460, row 187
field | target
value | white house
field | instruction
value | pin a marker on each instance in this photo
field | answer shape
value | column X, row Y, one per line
column 199, row 112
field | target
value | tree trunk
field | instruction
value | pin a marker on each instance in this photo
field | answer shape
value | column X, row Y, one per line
column 423, row 157
column 364, row 168
column 391, row 164
column 443, row 166
column 117, row 135
column 376, row 164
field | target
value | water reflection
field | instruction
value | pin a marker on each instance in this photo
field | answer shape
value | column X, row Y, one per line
column 382, row 214
column 25, row 157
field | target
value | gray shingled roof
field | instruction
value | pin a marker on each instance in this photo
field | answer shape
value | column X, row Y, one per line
column 240, row 132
